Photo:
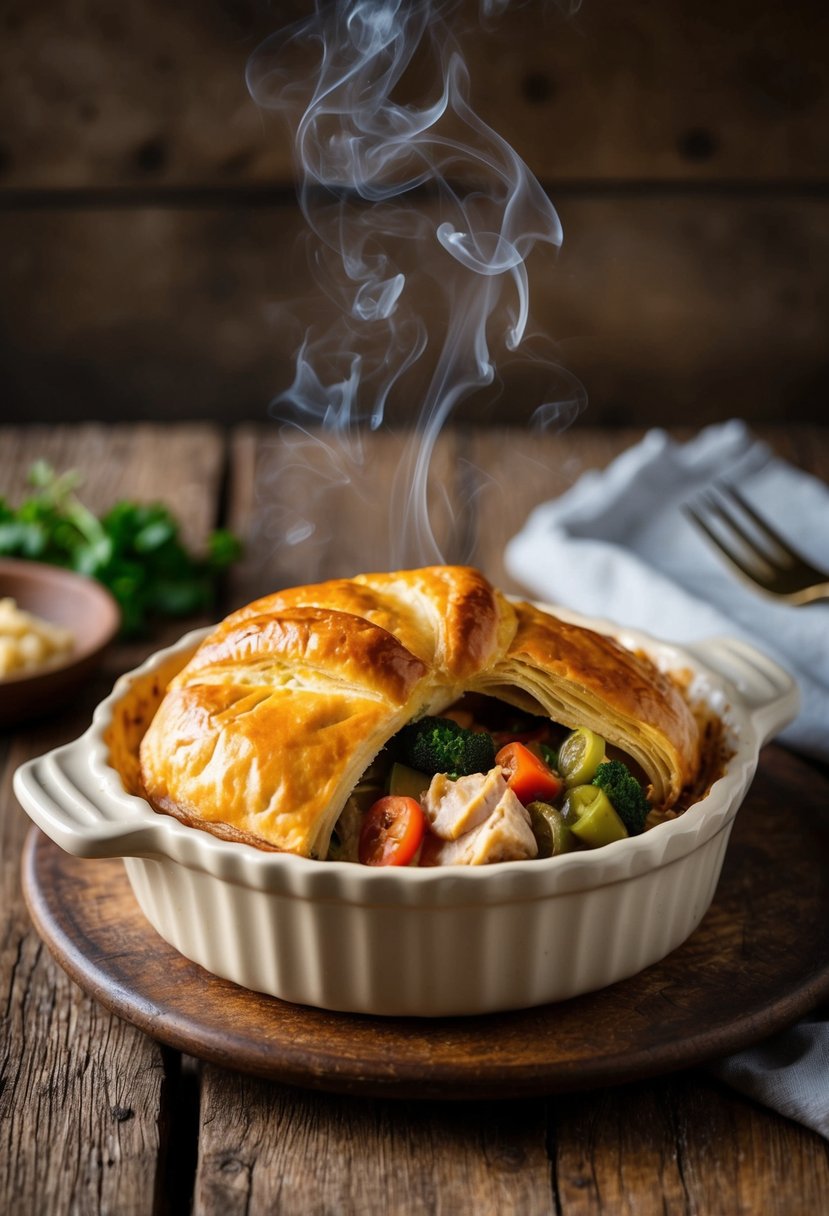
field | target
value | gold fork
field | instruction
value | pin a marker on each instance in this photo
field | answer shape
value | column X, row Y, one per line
column 757, row 550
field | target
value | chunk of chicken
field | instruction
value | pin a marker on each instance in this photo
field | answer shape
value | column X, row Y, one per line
column 455, row 807
column 479, row 823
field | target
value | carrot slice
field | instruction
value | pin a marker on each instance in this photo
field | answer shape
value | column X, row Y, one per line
column 527, row 775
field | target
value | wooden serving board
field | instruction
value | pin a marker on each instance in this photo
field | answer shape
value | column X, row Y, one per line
column 758, row 961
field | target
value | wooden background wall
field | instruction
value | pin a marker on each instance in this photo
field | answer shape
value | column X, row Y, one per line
column 147, row 215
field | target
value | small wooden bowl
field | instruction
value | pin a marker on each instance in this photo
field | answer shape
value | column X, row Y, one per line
column 63, row 598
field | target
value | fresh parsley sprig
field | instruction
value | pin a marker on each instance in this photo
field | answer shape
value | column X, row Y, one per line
column 135, row 549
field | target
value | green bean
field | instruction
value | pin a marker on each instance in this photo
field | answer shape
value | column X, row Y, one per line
column 590, row 815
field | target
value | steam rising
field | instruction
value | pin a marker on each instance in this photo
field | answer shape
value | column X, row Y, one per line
column 410, row 206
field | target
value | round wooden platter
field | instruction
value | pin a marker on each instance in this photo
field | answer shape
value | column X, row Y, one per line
column 758, row 961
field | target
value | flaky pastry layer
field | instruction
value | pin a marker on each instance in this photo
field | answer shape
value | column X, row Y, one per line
column 265, row 732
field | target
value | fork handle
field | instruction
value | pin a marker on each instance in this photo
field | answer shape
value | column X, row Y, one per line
column 768, row 691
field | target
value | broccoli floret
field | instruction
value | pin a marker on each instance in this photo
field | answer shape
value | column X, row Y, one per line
column 626, row 794
column 439, row 745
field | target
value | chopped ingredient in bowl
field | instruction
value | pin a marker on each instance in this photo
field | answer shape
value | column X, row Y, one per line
column 546, row 791
column 27, row 641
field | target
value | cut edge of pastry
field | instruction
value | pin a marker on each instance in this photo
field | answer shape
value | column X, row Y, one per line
column 532, row 663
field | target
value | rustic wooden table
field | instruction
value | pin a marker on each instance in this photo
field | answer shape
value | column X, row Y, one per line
column 97, row 1117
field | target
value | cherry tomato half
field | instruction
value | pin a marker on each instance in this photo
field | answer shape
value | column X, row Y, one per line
column 527, row 775
column 392, row 831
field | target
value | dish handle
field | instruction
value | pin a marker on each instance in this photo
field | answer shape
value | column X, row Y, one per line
column 768, row 691
column 66, row 800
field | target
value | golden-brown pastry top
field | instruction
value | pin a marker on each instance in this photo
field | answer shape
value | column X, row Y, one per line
column 623, row 693
column 450, row 617
column 265, row 732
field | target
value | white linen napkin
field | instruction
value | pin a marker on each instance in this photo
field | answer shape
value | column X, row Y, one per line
column 618, row 545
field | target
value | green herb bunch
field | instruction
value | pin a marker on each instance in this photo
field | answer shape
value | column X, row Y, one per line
column 135, row 550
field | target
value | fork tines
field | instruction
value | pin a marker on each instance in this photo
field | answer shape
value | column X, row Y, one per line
column 754, row 546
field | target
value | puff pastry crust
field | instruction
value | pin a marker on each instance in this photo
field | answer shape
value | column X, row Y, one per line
column 264, row 733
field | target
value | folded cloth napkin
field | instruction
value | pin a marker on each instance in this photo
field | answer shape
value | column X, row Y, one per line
column 789, row 1072
column 619, row 545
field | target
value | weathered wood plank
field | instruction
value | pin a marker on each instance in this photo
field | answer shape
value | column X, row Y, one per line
column 180, row 465
column 733, row 1146
column 681, row 312
column 82, row 1093
column 156, row 93
column 516, row 471
column 84, row 1098
column 265, row 1148
column 658, row 90
column 671, row 311
column 615, row 1151
column 677, row 1145
column 683, row 1145
column 312, row 505
column 497, row 474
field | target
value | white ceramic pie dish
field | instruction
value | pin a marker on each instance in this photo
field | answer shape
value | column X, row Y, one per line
column 432, row 942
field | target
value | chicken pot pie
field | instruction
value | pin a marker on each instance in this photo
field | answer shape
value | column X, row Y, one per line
column 283, row 709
